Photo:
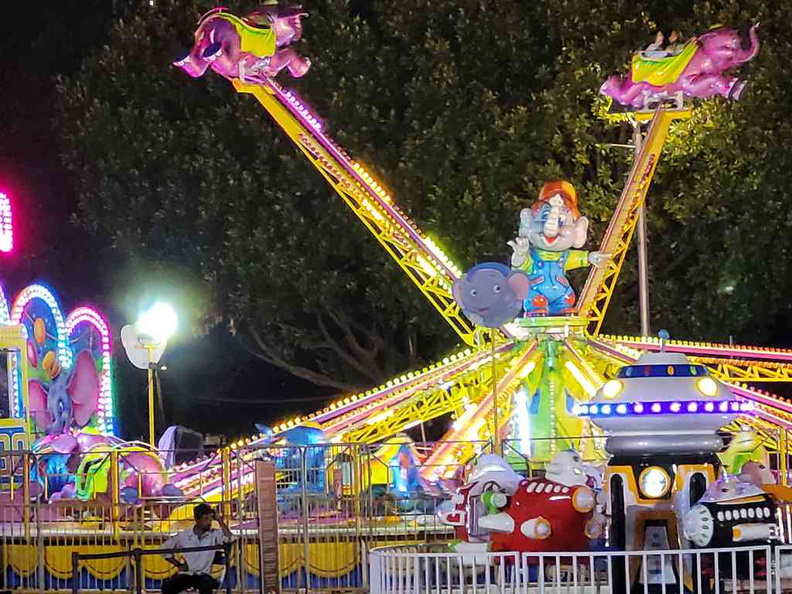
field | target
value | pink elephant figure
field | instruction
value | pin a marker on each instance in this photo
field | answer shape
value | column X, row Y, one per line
column 699, row 70
column 247, row 47
column 87, row 461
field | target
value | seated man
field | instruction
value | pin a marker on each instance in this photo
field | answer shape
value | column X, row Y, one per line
column 195, row 571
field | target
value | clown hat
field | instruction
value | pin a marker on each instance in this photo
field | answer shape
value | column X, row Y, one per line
column 565, row 189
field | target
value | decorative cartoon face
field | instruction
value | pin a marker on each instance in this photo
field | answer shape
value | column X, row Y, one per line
column 491, row 470
column 287, row 27
column 567, row 468
column 489, row 474
column 491, row 294
column 730, row 489
column 552, row 224
column 71, row 398
column 757, row 474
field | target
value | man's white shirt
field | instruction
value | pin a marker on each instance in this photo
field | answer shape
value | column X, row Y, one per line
column 197, row 561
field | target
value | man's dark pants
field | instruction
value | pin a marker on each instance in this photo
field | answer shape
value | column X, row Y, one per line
column 205, row 584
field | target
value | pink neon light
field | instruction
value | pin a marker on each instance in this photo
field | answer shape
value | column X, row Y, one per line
column 6, row 224
column 91, row 316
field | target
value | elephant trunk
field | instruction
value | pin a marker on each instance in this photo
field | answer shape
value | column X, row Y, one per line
column 751, row 52
column 551, row 226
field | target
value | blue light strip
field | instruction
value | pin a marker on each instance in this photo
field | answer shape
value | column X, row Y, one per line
column 698, row 407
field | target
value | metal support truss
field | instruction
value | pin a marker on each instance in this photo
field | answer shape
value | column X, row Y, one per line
column 419, row 257
column 702, row 349
column 460, row 442
column 747, row 371
column 601, row 282
column 461, row 394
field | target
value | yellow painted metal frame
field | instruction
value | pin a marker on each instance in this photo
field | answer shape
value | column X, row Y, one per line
column 15, row 338
column 434, row 281
column 732, row 370
column 421, row 408
column 455, row 443
column 468, row 387
column 601, row 282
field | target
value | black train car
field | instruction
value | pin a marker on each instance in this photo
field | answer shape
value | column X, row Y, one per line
column 733, row 513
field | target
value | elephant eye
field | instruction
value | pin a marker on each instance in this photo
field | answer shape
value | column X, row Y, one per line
column 496, row 289
column 473, row 292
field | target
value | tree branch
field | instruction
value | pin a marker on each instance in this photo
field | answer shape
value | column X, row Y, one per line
column 348, row 327
column 269, row 355
column 343, row 354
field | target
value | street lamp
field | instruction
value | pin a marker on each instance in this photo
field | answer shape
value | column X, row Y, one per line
column 145, row 343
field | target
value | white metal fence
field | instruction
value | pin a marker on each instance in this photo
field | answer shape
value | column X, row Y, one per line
column 435, row 569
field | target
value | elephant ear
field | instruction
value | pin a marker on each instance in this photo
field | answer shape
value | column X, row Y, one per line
column 458, row 289
column 37, row 403
column 581, row 232
column 519, row 283
column 84, row 388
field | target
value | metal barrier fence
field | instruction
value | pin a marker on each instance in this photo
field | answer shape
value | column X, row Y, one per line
column 137, row 556
column 336, row 503
column 431, row 570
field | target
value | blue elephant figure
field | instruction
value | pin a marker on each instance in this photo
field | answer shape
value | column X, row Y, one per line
column 548, row 232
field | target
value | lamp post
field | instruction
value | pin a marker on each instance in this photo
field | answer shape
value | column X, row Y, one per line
column 145, row 343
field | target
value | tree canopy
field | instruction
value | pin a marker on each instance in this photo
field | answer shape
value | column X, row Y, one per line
column 463, row 109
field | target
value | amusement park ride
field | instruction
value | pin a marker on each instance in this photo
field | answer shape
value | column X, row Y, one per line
column 538, row 368
column 548, row 378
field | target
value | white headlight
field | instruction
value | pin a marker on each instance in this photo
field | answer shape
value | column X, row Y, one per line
column 654, row 482
column 612, row 388
column 707, row 386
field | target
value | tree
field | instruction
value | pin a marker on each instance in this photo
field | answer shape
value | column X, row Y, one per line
column 463, row 111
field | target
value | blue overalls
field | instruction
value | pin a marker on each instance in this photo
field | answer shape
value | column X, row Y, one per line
column 550, row 292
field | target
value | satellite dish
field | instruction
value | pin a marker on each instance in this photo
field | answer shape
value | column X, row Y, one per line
column 138, row 353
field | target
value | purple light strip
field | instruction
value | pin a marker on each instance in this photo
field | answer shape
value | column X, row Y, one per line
column 289, row 99
column 649, row 408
